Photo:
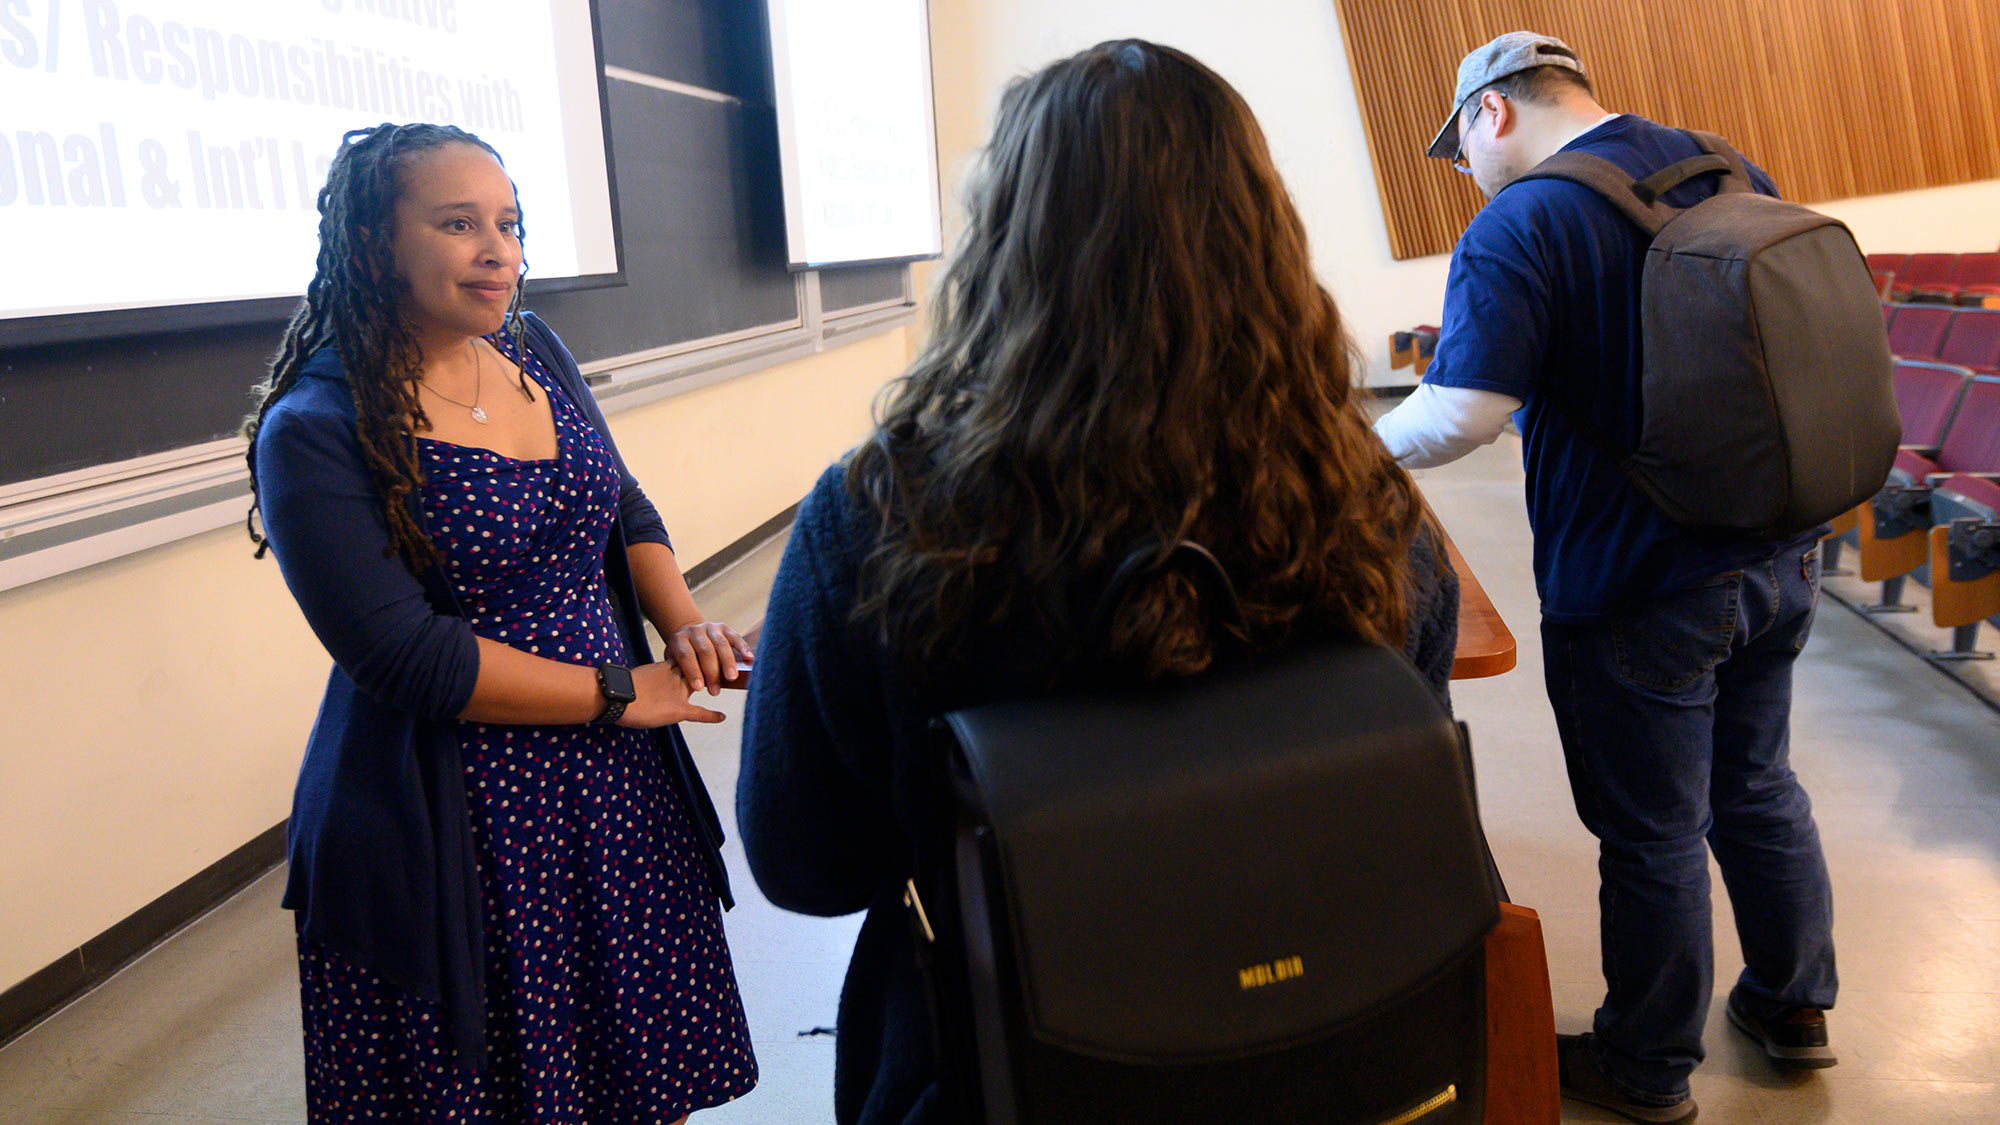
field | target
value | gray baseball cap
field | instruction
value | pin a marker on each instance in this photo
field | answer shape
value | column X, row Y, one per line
column 1511, row 53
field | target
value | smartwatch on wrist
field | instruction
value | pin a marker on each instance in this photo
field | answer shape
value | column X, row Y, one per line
column 614, row 682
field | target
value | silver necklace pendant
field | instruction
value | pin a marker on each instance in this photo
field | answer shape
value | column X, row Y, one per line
column 478, row 388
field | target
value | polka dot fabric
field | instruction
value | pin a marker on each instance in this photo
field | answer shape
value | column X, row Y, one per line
column 610, row 994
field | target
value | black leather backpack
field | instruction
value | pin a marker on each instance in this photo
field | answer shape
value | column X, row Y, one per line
column 1256, row 895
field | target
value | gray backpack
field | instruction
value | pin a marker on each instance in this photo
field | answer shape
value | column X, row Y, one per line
column 1767, row 401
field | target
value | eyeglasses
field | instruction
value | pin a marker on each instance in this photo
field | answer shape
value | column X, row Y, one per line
column 1458, row 160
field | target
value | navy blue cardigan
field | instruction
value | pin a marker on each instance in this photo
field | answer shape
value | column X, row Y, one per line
column 832, row 788
column 382, row 866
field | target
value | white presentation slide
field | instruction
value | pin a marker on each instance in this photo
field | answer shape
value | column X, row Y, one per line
column 170, row 152
column 855, row 131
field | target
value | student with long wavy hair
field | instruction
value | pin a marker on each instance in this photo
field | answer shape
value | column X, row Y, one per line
column 1129, row 347
column 502, row 864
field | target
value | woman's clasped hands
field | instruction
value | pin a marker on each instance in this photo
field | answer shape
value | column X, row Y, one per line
column 702, row 655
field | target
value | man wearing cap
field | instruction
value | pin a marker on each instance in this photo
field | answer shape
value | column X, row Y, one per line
column 1668, row 654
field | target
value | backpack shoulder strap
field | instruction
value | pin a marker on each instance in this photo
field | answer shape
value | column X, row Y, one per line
column 1611, row 182
column 1640, row 199
column 1148, row 560
column 1738, row 178
column 1680, row 172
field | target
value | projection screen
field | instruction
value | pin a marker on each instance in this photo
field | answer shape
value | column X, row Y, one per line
column 856, row 137
column 167, row 154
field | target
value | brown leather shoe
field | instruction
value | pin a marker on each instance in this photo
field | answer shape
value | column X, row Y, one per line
column 1580, row 1077
column 1793, row 1037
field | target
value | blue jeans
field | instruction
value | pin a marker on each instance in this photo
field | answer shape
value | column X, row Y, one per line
column 1675, row 722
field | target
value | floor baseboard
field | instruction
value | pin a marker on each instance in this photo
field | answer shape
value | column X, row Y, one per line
column 90, row 964
column 729, row 556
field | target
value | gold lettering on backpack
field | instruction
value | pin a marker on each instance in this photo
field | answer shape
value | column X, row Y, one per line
column 1270, row 972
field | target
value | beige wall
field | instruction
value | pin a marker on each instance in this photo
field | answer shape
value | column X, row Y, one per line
column 1287, row 58
column 1951, row 219
column 155, row 706
column 722, row 460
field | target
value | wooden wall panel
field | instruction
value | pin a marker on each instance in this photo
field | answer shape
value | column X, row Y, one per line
column 1835, row 98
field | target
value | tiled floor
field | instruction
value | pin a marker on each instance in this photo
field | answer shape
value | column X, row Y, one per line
column 1904, row 767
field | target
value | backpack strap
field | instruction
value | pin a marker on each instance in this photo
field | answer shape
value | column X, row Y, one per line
column 1650, row 189
column 1611, row 182
column 1738, row 178
column 930, row 902
column 1147, row 560
column 1640, row 199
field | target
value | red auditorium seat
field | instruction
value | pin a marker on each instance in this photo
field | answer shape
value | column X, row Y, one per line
column 1978, row 279
column 1973, row 341
column 1965, row 560
column 1887, row 263
column 1983, row 489
column 1884, row 268
column 1927, row 395
column 1925, row 277
column 1972, row 444
column 1888, row 315
column 1918, row 332
column 1427, row 346
column 1895, row 527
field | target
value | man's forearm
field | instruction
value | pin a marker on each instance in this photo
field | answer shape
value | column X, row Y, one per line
column 1438, row 425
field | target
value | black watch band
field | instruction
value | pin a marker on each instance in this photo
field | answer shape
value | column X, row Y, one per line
column 614, row 683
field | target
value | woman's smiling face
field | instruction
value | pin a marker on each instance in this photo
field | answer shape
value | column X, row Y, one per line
column 457, row 242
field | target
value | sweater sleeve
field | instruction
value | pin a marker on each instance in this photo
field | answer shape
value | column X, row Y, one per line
column 641, row 520
column 817, row 825
column 325, row 523
column 1433, row 613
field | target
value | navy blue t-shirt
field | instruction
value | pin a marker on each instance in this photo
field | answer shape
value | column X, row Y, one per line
column 1544, row 292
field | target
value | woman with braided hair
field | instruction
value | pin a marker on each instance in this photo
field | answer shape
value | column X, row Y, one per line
column 503, row 865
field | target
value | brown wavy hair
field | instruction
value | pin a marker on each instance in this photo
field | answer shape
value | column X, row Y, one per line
column 1129, row 347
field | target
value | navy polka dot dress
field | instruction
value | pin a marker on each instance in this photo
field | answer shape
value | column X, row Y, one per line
column 610, row 995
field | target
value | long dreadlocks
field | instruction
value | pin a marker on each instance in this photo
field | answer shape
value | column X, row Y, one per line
column 355, row 303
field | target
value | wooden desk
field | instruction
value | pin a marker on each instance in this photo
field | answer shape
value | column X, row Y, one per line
column 1485, row 647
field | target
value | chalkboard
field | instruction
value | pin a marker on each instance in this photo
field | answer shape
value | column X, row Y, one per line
column 719, row 45
column 702, row 230
column 71, row 406
column 860, row 285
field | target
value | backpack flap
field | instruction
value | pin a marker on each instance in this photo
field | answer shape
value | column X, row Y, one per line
column 1711, row 450
column 1207, row 868
column 1832, row 377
